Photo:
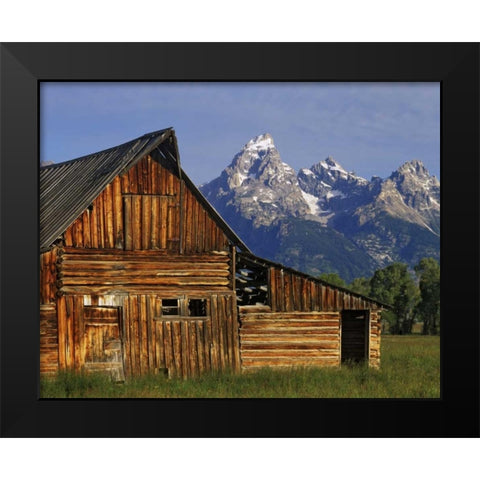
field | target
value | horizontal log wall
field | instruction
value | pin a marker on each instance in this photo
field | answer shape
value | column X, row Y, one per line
column 291, row 292
column 100, row 271
column 289, row 339
column 48, row 339
column 148, row 207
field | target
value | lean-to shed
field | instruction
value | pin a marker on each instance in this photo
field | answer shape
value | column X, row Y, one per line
column 139, row 274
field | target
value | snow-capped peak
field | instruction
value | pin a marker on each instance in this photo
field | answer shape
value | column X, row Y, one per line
column 260, row 142
column 330, row 170
column 413, row 167
column 331, row 164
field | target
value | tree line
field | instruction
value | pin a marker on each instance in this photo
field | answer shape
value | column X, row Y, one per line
column 413, row 295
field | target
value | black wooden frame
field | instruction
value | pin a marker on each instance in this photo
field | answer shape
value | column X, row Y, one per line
column 25, row 65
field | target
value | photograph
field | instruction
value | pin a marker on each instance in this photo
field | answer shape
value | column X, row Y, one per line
column 239, row 239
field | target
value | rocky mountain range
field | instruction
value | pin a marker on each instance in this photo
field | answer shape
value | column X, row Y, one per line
column 326, row 219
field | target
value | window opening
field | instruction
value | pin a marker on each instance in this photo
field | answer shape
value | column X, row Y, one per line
column 251, row 280
column 170, row 306
column 197, row 307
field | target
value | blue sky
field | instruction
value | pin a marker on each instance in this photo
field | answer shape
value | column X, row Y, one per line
column 369, row 128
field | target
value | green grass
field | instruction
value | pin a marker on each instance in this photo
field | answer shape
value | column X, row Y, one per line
column 410, row 369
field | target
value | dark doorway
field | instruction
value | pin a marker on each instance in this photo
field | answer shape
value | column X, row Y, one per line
column 355, row 326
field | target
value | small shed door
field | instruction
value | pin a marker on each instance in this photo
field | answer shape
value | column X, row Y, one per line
column 103, row 344
column 355, row 335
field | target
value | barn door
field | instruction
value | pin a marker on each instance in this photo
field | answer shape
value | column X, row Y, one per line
column 103, row 344
column 355, row 329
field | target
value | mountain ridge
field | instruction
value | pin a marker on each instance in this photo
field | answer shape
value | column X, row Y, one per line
column 374, row 222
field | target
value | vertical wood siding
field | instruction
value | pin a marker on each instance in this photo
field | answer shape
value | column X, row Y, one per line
column 151, row 343
column 180, row 346
column 147, row 209
column 297, row 293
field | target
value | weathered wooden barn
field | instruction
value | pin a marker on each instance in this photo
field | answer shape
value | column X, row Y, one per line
column 139, row 273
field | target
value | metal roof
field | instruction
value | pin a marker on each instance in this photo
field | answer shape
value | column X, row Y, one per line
column 68, row 188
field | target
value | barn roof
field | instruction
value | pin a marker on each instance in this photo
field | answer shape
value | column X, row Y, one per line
column 68, row 188
column 268, row 263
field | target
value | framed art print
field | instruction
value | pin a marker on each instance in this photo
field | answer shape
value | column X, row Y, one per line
column 171, row 224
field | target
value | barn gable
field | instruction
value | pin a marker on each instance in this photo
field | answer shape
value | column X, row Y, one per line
column 68, row 189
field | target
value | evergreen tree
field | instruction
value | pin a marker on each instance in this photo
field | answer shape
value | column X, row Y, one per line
column 360, row 285
column 428, row 274
column 333, row 278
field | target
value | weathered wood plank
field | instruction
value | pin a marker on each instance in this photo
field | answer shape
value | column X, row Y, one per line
column 199, row 327
column 128, row 211
column 235, row 335
column 173, row 228
column 134, row 318
column 177, row 347
column 227, row 348
column 249, row 309
column 168, row 347
column 136, row 222
column 94, row 252
column 290, row 362
column 86, row 228
column 105, row 274
column 221, row 331
column 69, row 333
column 155, row 223
column 184, row 335
column 230, row 331
column 188, row 223
column 291, row 330
column 301, row 355
column 193, row 349
column 126, row 329
column 163, row 223
column 289, row 344
column 292, row 316
column 117, row 213
column 145, row 281
column 108, row 206
column 146, row 222
column 133, row 182
column 260, row 324
column 72, row 267
column 207, row 331
column 143, row 320
column 168, row 290
column 78, row 332
column 150, row 314
column 215, row 336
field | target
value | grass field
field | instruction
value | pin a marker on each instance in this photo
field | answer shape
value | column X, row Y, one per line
column 410, row 368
